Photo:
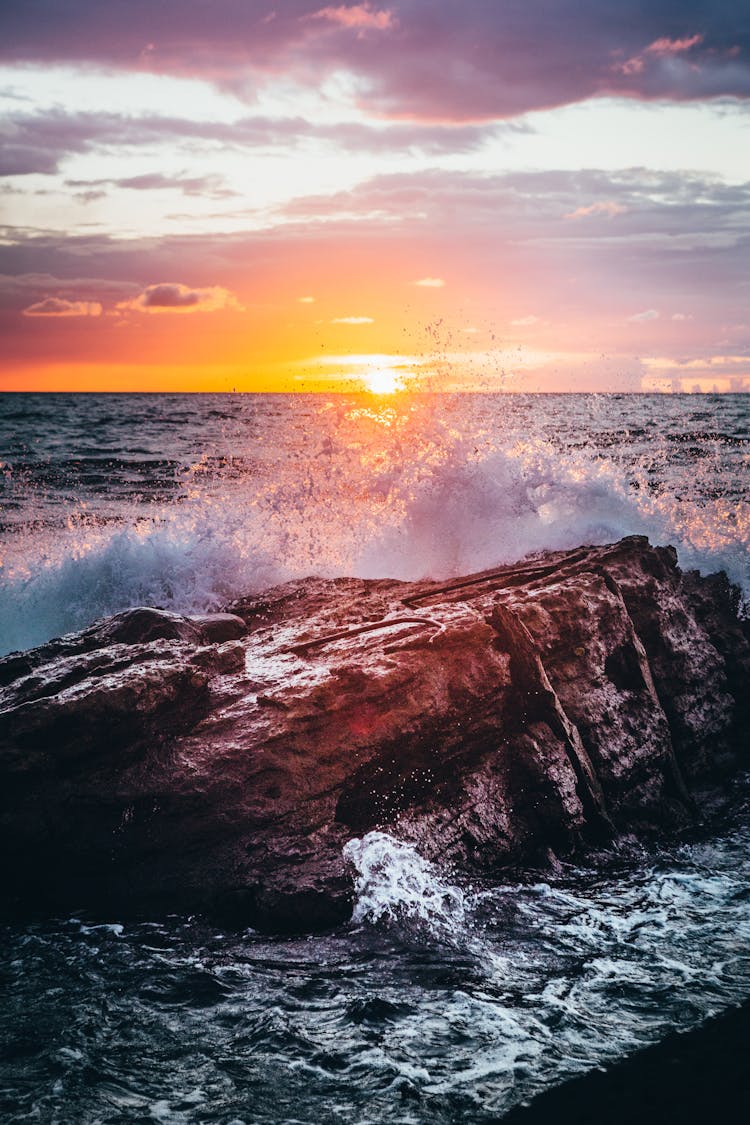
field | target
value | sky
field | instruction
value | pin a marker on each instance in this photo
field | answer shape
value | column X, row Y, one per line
column 515, row 195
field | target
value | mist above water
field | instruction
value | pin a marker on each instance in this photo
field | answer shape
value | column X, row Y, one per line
column 187, row 502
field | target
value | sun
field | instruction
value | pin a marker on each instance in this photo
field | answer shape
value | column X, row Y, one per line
column 382, row 383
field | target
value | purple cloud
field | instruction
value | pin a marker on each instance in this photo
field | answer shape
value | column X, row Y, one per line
column 212, row 186
column 416, row 58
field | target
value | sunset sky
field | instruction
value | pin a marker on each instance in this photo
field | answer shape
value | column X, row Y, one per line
column 491, row 194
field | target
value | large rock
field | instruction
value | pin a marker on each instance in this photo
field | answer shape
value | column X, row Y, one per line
column 157, row 762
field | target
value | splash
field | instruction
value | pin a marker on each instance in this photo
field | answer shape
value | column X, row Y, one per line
column 189, row 564
column 395, row 886
column 426, row 486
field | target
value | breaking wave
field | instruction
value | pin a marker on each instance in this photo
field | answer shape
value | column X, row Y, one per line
column 343, row 488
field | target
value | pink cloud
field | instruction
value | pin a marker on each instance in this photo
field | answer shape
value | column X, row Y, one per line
column 673, row 46
column 659, row 49
column 606, row 207
column 361, row 16
column 636, row 65
column 58, row 306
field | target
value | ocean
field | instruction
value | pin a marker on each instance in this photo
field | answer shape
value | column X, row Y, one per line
column 441, row 1001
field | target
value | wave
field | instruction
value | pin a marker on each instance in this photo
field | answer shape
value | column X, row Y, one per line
column 186, row 563
column 361, row 493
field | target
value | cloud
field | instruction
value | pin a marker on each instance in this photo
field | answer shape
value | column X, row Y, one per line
column 36, row 286
column 601, row 207
column 667, row 46
column 360, row 16
column 647, row 314
column 306, row 300
column 670, row 222
column 175, row 297
column 38, row 143
column 352, row 320
column 430, row 283
column 683, row 245
column 444, row 61
column 58, row 306
column 660, row 48
column 211, row 186
column 526, row 321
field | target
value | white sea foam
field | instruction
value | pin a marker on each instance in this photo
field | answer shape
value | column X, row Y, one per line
column 186, row 561
column 395, row 885
column 605, row 963
column 357, row 491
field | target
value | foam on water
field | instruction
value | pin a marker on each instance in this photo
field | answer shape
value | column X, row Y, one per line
column 422, row 488
column 442, row 1003
column 564, row 975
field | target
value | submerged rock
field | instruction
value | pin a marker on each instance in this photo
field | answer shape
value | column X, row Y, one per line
column 157, row 762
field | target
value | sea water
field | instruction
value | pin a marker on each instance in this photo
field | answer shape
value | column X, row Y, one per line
column 442, row 1000
column 186, row 501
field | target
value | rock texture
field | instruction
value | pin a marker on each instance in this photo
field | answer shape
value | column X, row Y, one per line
column 158, row 762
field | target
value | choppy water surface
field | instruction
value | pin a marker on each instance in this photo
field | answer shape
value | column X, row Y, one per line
column 441, row 1002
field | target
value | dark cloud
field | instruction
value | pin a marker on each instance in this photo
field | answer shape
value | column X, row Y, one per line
column 176, row 297
column 169, row 297
column 433, row 59
column 45, row 294
column 24, row 160
column 21, row 291
column 212, row 186
column 589, row 207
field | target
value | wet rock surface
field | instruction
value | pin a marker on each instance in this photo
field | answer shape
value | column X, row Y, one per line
column 157, row 762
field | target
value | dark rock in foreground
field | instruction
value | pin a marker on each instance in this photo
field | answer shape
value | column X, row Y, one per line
column 690, row 1077
column 156, row 762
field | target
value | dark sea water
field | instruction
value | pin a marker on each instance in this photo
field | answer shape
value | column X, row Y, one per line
column 440, row 1002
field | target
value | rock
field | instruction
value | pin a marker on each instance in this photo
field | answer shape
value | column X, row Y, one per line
column 157, row 762
column 685, row 1078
